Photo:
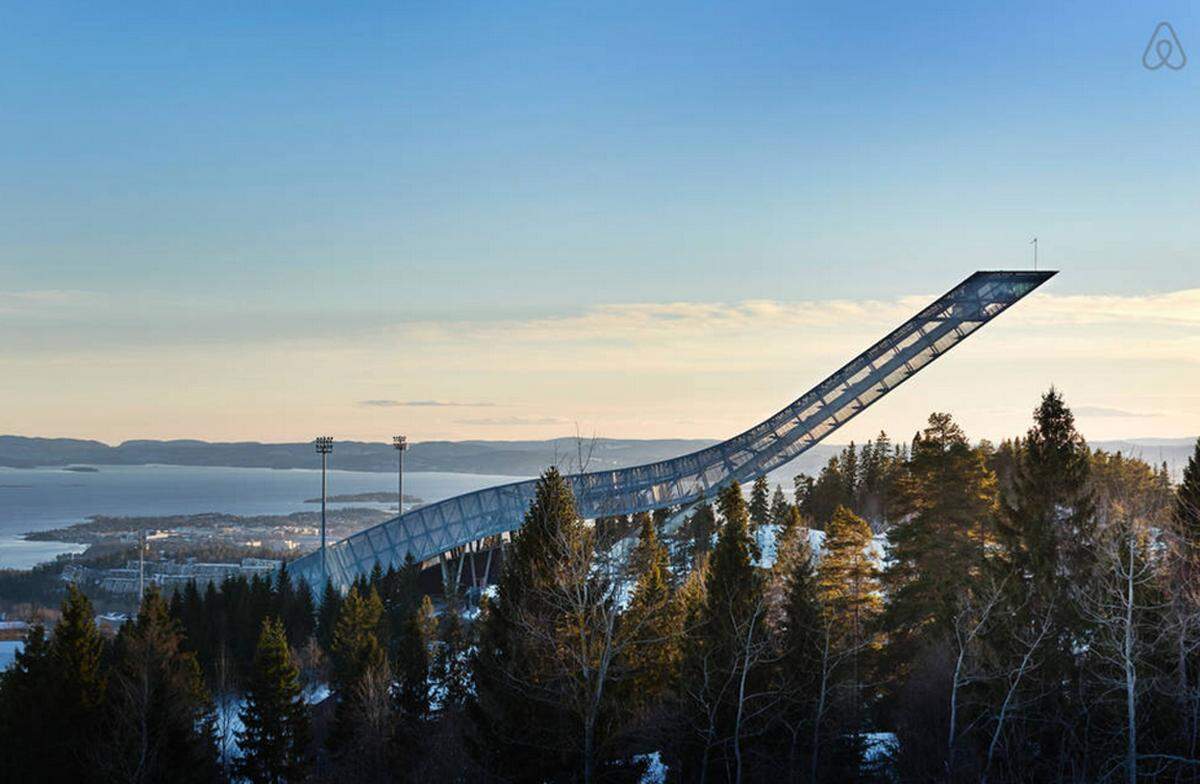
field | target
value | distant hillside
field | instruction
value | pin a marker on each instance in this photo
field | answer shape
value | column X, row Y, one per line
column 516, row 458
column 1172, row 451
column 513, row 458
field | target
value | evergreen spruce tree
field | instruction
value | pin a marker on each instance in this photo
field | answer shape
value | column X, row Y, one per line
column 159, row 717
column 402, row 598
column 274, row 741
column 733, row 585
column 803, row 487
column 721, row 653
column 848, row 588
column 850, row 477
column 300, row 621
column 356, row 645
column 652, row 654
column 1048, row 545
column 821, row 497
column 760, row 503
column 520, row 733
column 703, row 525
column 878, row 476
column 360, row 676
column 793, row 521
column 690, row 727
column 779, row 507
column 327, row 616
column 412, row 665
column 802, row 635
column 1047, row 529
column 75, row 699
column 451, row 665
column 284, row 598
column 28, row 731
column 1187, row 504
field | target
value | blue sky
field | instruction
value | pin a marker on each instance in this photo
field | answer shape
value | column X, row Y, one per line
column 187, row 187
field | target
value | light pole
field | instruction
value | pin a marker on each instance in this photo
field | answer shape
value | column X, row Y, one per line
column 401, row 444
column 141, row 567
column 324, row 447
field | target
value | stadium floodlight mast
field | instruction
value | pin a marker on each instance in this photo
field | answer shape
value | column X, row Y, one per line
column 324, row 446
column 401, row 444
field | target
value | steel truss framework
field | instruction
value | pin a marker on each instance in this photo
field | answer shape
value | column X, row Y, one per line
column 440, row 527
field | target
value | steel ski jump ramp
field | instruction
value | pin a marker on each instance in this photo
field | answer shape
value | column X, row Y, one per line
column 436, row 528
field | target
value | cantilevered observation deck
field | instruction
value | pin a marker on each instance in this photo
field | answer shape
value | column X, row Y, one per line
column 440, row 527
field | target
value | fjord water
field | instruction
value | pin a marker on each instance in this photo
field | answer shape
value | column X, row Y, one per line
column 38, row 499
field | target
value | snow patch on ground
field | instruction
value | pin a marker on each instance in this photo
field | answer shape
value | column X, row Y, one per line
column 8, row 652
column 878, row 752
column 767, row 536
column 316, row 693
column 656, row 771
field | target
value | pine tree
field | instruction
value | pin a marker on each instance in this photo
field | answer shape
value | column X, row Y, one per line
column 275, row 737
column 760, row 503
column 159, row 717
column 936, row 551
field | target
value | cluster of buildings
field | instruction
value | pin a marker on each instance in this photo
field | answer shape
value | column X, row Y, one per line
column 167, row 575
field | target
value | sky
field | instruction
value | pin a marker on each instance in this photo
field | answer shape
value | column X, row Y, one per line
column 518, row 220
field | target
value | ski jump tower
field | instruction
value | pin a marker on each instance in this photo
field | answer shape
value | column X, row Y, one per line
column 431, row 530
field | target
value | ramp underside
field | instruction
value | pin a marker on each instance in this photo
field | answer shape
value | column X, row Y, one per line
column 442, row 526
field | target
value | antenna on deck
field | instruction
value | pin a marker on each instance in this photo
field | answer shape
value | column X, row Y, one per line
column 1033, row 242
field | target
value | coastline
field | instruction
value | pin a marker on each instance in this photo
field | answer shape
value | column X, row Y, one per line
column 17, row 552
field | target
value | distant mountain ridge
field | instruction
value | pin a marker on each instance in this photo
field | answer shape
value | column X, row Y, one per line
column 513, row 458
column 516, row 458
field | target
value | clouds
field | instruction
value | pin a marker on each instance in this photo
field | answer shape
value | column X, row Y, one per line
column 44, row 302
column 653, row 369
column 513, row 421
column 1105, row 412
column 420, row 404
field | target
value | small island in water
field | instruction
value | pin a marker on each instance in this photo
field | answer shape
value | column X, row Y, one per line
column 380, row 498
column 82, row 469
